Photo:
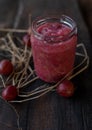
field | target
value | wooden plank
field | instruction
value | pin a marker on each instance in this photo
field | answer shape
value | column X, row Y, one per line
column 52, row 112
column 8, row 116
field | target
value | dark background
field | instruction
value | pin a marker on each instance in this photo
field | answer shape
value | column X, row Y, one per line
column 51, row 112
column 10, row 9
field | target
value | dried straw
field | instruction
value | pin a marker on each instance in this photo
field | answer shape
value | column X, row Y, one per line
column 20, row 57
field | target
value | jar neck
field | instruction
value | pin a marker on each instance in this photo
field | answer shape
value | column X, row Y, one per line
column 65, row 20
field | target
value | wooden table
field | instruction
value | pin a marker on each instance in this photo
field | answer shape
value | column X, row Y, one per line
column 49, row 112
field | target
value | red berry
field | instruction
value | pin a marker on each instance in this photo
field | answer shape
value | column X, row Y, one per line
column 10, row 93
column 6, row 67
column 66, row 88
column 26, row 40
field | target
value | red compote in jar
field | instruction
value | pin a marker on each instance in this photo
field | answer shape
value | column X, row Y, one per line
column 53, row 44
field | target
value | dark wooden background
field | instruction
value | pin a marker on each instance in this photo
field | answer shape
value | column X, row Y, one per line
column 86, row 9
column 50, row 112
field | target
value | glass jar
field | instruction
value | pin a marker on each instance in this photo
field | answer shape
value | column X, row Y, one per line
column 53, row 42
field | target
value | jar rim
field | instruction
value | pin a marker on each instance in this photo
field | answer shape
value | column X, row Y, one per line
column 63, row 19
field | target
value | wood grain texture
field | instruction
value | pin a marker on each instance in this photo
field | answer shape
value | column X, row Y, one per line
column 52, row 112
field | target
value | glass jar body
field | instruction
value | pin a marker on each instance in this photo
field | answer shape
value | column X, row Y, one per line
column 53, row 55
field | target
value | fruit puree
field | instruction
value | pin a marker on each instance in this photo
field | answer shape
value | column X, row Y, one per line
column 53, row 50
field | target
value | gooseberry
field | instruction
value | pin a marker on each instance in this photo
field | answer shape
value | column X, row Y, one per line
column 26, row 40
column 9, row 93
column 6, row 67
column 66, row 88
